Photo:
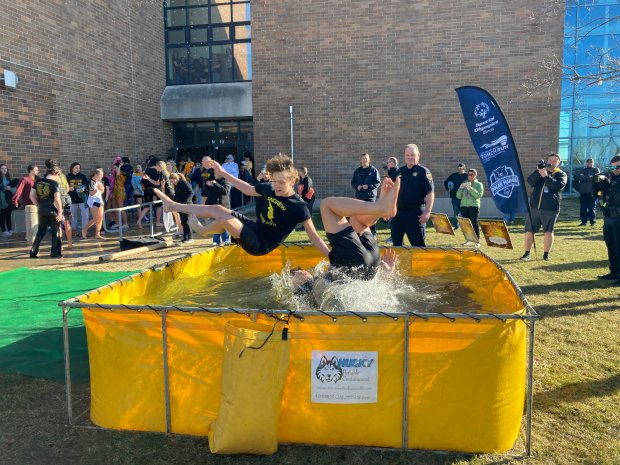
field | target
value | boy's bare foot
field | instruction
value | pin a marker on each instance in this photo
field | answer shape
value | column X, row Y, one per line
column 165, row 200
column 389, row 196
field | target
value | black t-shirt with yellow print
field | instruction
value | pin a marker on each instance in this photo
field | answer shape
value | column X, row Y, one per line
column 45, row 189
column 279, row 215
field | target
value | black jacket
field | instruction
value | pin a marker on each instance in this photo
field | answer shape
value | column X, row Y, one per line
column 547, row 191
column 214, row 193
column 183, row 192
column 366, row 176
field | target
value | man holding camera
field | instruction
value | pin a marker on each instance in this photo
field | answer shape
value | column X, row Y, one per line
column 548, row 182
column 608, row 188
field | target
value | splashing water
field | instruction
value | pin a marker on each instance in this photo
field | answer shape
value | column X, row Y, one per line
column 386, row 292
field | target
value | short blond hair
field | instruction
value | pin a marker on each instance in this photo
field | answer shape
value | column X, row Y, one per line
column 282, row 164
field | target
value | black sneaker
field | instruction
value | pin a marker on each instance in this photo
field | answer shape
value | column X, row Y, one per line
column 546, row 258
column 583, row 223
column 525, row 257
column 609, row 276
column 592, row 223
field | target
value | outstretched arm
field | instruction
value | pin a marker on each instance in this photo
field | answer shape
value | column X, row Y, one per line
column 240, row 184
column 314, row 237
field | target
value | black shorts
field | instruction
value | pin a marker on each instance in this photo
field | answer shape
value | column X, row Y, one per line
column 541, row 218
column 251, row 239
column 352, row 251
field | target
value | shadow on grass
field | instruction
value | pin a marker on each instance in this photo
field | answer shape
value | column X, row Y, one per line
column 596, row 284
column 578, row 308
column 577, row 392
column 599, row 264
column 42, row 355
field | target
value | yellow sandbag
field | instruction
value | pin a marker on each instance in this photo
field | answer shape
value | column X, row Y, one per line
column 252, row 385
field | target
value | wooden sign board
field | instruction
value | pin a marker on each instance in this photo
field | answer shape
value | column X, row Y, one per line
column 442, row 224
column 496, row 233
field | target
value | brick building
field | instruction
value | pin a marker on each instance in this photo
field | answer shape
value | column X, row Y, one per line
column 101, row 77
column 90, row 77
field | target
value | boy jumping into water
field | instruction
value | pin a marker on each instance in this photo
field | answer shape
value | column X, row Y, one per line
column 354, row 248
column 281, row 212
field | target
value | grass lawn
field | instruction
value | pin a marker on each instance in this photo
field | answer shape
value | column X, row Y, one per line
column 576, row 380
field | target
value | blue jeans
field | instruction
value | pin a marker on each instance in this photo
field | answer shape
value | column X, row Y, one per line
column 456, row 208
column 224, row 238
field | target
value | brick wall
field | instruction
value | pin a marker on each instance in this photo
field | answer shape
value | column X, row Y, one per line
column 90, row 77
column 376, row 75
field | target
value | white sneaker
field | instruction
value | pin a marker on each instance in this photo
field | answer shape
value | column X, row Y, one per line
column 6, row 234
column 477, row 244
column 467, row 243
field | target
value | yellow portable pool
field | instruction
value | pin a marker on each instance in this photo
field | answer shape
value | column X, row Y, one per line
column 442, row 380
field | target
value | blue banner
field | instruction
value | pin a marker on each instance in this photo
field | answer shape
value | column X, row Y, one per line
column 494, row 145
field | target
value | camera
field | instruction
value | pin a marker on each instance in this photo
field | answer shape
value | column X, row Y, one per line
column 542, row 164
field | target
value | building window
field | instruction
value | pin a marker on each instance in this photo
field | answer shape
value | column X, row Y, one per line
column 590, row 107
column 207, row 41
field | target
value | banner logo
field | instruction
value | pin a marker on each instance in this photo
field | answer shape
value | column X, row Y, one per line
column 503, row 140
column 328, row 370
column 481, row 110
column 503, row 181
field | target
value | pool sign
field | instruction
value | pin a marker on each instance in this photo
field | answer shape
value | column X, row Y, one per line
column 339, row 377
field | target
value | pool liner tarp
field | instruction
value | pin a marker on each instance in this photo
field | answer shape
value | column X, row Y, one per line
column 466, row 379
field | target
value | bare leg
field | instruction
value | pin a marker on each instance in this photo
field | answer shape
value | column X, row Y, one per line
column 529, row 240
column 201, row 211
column 547, row 241
column 99, row 223
column 334, row 210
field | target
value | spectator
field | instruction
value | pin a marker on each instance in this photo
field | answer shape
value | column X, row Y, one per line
column 78, row 191
column 46, row 197
column 168, row 188
column 22, row 193
column 548, row 183
column 95, row 202
column 151, row 179
column 366, row 180
column 237, row 198
column 6, row 201
column 215, row 191
column 65, row 200
column 305, row 187
column 118, row 191
column 587, row 204
column 127, row 170
column 230, row 166
column 392, row 168
column 249, row 162
column 136, row 184
column 469, row 194
column 415, row 200
column 610, row 201
column 183, row 194
column 452, row 186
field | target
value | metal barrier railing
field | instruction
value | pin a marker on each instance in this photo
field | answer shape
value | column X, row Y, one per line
column 119, row 219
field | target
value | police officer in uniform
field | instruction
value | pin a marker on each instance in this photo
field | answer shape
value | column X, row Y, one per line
column 608, row 188
column 415, row 200
column 46, row 196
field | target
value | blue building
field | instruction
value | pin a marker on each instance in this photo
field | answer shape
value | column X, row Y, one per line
column 590, row 108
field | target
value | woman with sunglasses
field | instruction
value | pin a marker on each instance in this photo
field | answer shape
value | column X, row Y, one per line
column 469, row 193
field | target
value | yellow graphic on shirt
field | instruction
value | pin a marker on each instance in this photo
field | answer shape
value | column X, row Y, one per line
column 43, row 190
column 270, row 211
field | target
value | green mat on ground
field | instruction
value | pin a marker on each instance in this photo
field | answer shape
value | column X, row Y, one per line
column 31, row 340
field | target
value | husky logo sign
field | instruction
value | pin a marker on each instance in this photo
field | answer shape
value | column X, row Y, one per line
column 503, row 181
column 339, row 377
column 481, row 110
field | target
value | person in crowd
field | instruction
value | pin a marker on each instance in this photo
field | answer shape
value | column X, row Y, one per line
column 263, row 178
column 171, row 166
column 136, row 184
column 587, row 199
column 354, row 250
column 22, row 192
column 215, row 191
column 65, row 200
column 469, row 194
column 609, row 188
column 151, row 179
column 78, row 191
column 167, row 187
column 237, row 198
column 230, row 166
column 415, row 200
column 186, row 167
column 183, row 194
column 118, row 191
column 249, row 162
column 6, row 201
column 548, row 182
column 392, row 168
column 366, row 180
column 46, row 196
column 95, row 203
column 282, row 211
column 305, row 188
column 452, row 185
column 195, row 179
column 127, row 170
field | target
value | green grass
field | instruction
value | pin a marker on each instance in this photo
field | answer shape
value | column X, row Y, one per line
column 576, row 389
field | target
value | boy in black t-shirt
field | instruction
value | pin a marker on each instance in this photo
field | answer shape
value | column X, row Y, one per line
column 281, row 212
